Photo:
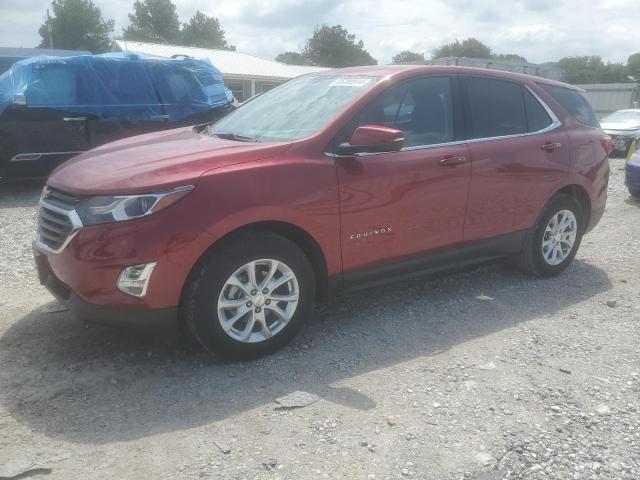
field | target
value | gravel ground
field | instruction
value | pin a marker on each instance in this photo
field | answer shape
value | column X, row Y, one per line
column 536, row 379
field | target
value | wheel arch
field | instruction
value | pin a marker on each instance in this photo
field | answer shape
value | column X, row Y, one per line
column 291, row 232
column 582, row 196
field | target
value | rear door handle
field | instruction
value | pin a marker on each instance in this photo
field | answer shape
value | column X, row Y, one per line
column 550, row 147
column 74, row 119
column 451, row 161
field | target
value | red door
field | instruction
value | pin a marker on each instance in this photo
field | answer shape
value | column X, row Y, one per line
column 519, row 156
column 399, row 204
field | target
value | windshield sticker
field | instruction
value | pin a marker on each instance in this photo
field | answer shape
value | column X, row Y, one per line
column 350, row 82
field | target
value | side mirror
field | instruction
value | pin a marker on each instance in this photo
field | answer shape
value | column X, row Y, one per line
column 373, row 139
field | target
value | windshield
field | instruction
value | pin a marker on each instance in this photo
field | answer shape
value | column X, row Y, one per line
column 623, row 116
column 294, row 110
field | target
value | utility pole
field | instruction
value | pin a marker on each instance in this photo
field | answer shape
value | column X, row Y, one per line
column 50, row 30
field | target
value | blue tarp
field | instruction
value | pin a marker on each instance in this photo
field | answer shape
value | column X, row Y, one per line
column 97, row 84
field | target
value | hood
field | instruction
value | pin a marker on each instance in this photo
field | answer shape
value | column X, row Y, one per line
column 154, row 162
column 630, row 125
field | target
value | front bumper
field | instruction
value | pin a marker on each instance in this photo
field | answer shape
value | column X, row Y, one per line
column 165, row 319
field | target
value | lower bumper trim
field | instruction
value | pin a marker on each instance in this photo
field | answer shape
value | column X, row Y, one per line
column 162, row 319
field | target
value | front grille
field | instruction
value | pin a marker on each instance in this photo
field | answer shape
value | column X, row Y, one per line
column 58, row 221
column 61, row 199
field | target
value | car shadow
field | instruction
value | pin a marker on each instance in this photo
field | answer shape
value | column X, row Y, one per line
column 631, row 200
column 20, row 193
column 98, row 385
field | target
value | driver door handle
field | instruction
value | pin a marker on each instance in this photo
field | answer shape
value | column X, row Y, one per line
column 550, row 147
column 452, row 161
column 74, row 119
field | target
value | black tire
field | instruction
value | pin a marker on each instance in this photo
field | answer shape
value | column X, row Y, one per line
column 198, row 306
column 634, row 192
column 531, row 258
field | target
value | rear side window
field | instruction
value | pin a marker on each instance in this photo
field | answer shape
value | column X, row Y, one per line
column 177, row 86
column 495, row 108
column 575, row 103
column 537, row 117
column 123, row 84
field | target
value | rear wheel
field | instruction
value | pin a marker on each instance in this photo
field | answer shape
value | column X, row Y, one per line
column 249, row 297
column 635, row 192
column 554, row 241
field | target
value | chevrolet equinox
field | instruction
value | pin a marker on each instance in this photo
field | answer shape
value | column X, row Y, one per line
column 329, row 182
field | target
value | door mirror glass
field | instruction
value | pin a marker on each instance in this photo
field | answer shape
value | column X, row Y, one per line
column 373, row 139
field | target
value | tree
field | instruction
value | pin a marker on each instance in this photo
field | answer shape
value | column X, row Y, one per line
column 153, row 21
column 633, row 66
column 205, row 32
column 77, row 25
column 336, row 47
column 292, row 58
column 591, row 70
column 511, row 57
column 407, row 56
column 470, row 47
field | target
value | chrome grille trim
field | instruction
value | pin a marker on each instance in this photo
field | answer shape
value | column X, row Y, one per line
column 58, row 221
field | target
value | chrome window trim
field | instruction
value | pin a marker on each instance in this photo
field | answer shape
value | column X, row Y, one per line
column 555, row 123
column 38, row 155
column 76, row 225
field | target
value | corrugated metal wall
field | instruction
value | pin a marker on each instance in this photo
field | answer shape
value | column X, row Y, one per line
column 609, row 97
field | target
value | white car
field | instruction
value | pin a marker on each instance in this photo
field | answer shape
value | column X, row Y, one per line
column 623, row 127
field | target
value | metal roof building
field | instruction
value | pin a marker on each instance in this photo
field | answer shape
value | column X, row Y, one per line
column 10, row 55
column 244, row 74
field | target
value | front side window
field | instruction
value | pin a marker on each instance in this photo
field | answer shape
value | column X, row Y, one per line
column 422, row 109
column 294, row 110
column 53, row 85
column 495, row 108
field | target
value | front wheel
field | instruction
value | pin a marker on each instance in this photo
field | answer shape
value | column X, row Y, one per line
column 554, row 241
column 634, row 192
column 250, row 296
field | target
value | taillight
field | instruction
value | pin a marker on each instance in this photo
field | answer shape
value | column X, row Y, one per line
column 607, row 144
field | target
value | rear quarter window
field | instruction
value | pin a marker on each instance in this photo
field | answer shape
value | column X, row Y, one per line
column 574, row 102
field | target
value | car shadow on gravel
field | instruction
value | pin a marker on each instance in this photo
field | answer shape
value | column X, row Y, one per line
column 97, row 385
column 23, row 193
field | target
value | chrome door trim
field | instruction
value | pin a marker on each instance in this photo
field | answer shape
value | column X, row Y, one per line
column 555, row 123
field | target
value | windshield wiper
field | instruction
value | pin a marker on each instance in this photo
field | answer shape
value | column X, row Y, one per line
column 236, row 137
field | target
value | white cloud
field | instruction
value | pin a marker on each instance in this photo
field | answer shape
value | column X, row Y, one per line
column 540, row 30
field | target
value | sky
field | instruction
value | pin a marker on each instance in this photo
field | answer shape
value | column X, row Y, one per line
column 539, row 30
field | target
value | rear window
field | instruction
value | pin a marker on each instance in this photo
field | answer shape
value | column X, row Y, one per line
column 575, row 103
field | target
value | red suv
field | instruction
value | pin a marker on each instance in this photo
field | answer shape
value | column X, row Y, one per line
column 330, row 182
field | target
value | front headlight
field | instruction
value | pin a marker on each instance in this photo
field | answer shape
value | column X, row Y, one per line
column 116, row 208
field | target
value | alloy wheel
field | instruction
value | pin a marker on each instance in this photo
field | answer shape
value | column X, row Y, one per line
column 258, row 300
column 559, row 237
